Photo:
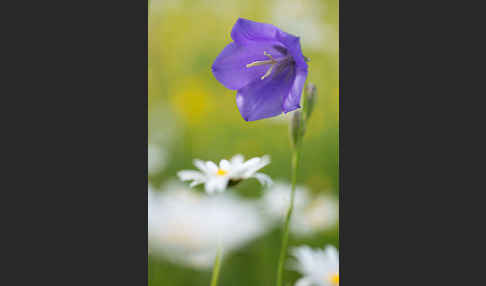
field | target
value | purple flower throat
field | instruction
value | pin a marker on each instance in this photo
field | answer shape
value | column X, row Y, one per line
column 276, row 64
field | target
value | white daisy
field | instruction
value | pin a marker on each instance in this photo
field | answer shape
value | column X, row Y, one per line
column 311, row 214
column 228, row 173
column 187, row 228
column 318, row 267
column 276, row 199
column 320, row 214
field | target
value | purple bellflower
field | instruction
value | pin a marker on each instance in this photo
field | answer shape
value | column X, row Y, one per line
column 266, row 67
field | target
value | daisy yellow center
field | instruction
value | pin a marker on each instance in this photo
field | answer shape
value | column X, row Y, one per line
column 334, row 279
column 221, row 172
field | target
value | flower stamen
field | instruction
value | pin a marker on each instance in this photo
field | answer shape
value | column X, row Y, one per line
column 271, row 62
column 261, row 63
column 269, row 71
column 221, row 172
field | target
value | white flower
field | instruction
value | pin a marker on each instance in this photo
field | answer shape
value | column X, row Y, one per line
column 310, row 215
column 318, row 267
column 186, row 227
column 320, row 214
column 276, row 199
column 157, row 159
column 305, row 18
column 216, row 178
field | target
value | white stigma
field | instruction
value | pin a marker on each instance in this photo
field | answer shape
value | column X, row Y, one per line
column 271, row 62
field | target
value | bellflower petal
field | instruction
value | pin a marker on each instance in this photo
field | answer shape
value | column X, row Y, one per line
column 263, row 98
column 292, row 43
column 245, row 31
column 230, row 69
column 292, row 101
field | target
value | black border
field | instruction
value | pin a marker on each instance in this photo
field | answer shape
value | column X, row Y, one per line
column 83, row 185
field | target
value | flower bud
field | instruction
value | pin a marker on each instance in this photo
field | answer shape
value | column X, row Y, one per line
column 296, row 127
column 310, row 97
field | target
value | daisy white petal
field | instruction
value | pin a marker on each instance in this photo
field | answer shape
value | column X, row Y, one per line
column 185, row 227
column 319, row 267
column 304, row 259
column 264, row 179
column 303, row 282
column 237, row 159
column 195, row 183
column 200, row 165
column 216, row 184
column 221, row 184
column 186, row 175
column 332, row 253
column 252, row 162
column 211, row 167
column 254, row 165
column 225, row 165
column 210, row 186
column 250, row 167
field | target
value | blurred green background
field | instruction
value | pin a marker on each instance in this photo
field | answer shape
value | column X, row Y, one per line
column 191, row 115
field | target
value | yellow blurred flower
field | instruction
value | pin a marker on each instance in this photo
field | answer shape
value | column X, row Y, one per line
column 191, row 101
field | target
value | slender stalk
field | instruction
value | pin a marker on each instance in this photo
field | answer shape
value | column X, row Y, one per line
column 285, row 236
column 217, row 266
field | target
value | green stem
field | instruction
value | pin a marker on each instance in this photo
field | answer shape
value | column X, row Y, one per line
column 285, row 236
column 217, row 266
